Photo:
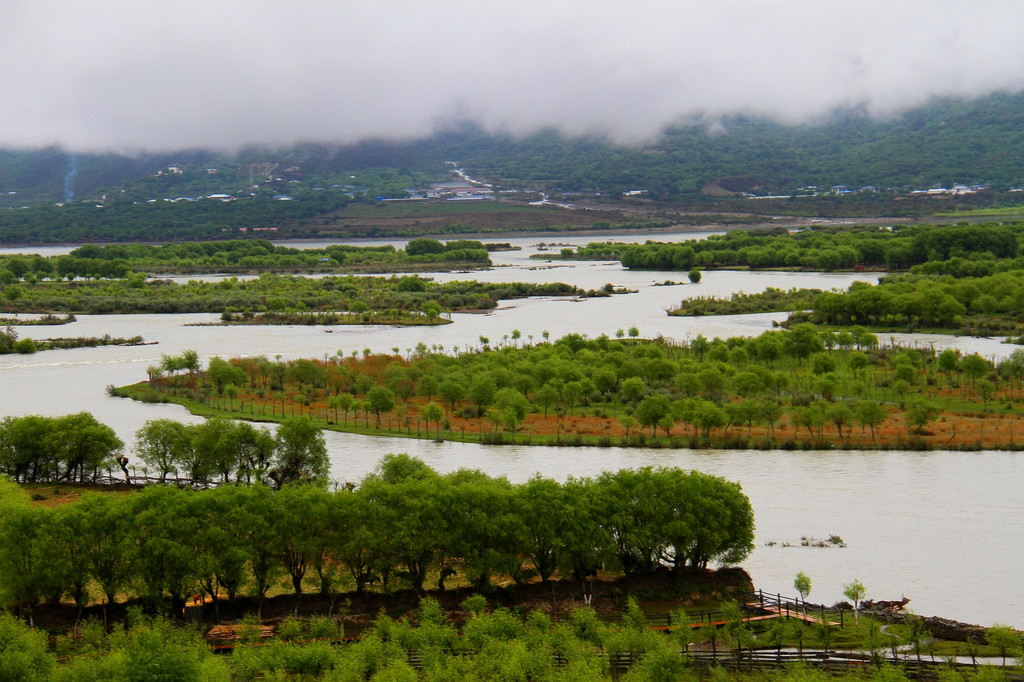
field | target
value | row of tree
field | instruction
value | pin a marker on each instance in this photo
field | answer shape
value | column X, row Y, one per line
column 73, row 448
column 897, row 247
column 78, row 449
column 405, row 521
column 118, row 261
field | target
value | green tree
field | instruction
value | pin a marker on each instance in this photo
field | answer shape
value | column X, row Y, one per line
column 83, row 445
column 22, row 560
column 632, row 389
column 710, row 519
column 1005, row 639
column 423, row 246
column 342, row 401
column 706, row 416
column 254, row 449
column 305, row 508
column 587, row 541
column 250, row 522
column 869, row 413
column 65, row 552
column 546, row 396
column 634, row 512
column 975, row 367
column 652, row 410
column 107, row 541
column 541, row 505
column 949, row 362
column 215, row 449
column 802, row 584
column 380, row 399
column 483, row 527
column 301, row 452
column 452, row 390
column 840, row 415
column 920, row 412
column 803, row 341
column 164, row 553
column 303, row 372
column 482, row 392
column 24, row 451
column 221, row 373
column 412, row 513
column 855, row 591
column 628, row 422
column 163, row 444
column 433, row 414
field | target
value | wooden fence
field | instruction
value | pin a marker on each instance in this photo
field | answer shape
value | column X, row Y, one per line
column 791, row 607
column 767, row 661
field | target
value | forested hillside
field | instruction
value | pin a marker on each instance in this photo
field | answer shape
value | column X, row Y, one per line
column 947, row 141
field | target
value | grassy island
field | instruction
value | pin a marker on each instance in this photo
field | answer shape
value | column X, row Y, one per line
column 10, row 343
column 280, row 299
column 798, row 388
column 244, row 256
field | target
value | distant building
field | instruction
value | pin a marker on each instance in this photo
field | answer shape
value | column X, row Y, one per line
column 463, row 190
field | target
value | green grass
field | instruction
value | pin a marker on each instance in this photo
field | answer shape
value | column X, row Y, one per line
column 431, row 209
column 1000, row 211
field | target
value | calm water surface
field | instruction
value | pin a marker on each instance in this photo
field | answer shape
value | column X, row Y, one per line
column 943, row 528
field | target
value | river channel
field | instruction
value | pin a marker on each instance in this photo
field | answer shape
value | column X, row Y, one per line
column 943, row 528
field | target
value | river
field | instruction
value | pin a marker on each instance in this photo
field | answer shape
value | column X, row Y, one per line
column 943, row 528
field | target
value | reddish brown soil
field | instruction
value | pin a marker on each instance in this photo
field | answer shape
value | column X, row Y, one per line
column 951, row 430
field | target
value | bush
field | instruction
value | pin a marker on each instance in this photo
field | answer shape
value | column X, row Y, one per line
column 290, row 629
column 325, row 628
column 23, row 652
column 475, row 603
column 249, row 631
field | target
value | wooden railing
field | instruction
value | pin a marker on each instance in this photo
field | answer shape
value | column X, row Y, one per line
column 762, row 660
column 793, row 607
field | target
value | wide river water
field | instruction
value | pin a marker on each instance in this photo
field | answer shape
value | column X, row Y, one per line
column 943, row 528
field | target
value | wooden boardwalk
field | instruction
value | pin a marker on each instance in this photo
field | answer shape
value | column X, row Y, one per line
column 775, row 611
column 787, row 607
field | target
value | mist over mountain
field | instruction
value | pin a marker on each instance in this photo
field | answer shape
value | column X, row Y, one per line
column 122, row 75
column 943, row 142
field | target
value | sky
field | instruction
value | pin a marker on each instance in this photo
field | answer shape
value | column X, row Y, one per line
column 124, row 75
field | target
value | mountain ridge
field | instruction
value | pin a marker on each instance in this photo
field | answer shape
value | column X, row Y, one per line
column 947, row 141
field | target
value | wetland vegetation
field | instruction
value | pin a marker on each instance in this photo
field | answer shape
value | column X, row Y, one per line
column 798, row 388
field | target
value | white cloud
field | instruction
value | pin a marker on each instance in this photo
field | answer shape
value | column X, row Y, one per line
column 119, row 74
